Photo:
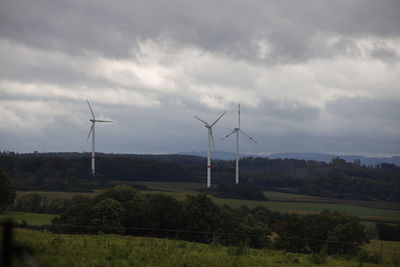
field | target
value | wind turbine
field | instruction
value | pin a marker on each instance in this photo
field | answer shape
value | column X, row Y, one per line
column 92, row 131
column 210, row 143
column 237, row 130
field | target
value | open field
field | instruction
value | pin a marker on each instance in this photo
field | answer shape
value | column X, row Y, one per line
column 58, row 194
column 113, row 250
column 279, row 196
column 166, row 186
column 30, row 218
column 366, row 213
column 271, row 195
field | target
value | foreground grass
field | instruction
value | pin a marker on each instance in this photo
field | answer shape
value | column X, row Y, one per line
column 113, row 250
column 30, row 218
column 387, row 249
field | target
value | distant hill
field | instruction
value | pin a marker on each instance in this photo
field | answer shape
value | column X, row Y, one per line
column 215, row 155
column 368, row 161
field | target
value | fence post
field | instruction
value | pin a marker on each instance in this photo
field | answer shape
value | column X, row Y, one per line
column 7, row 244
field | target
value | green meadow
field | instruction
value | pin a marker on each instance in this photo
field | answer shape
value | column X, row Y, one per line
column 30, row 218
column 114, row 250
column 58, row 194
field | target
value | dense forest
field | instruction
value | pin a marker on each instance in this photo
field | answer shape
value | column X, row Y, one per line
column 71, row 172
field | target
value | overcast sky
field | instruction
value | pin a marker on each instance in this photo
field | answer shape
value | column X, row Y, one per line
column 311, row 76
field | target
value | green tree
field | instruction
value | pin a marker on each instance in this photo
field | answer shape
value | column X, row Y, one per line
column 122, row 194
column 347, row 237
column 131, row 200
column 253, row 232
column 109, row 216
column 30, row 202
column 201, row 216
column 76, row 218
column 7, row 192
column 163, row 212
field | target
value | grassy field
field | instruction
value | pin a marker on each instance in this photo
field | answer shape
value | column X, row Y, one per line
column 113, row 250
column 58, row 194
column 365, row 213
column 30, row 218
column 166, row 186
column 279, row 196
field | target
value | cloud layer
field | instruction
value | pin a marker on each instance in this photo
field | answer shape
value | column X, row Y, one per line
column 310, row 76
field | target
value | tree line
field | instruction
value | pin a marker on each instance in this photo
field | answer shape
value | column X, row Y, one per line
column 124, row 210
column 71, row 172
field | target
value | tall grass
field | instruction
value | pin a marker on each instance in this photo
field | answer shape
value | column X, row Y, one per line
column 113, row 250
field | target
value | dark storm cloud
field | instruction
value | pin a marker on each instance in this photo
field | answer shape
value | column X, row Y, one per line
column 385, row 54
column 229, row 27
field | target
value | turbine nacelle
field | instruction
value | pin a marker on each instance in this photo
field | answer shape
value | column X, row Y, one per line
column 210, row 144
column 237, row 131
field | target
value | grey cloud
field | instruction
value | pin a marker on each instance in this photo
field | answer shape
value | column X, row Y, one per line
column 358, row 108
column 285, row 108
column 229, row 27
column 385, row 54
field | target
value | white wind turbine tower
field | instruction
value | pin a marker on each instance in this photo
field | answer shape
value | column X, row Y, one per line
column 210, row 143
column 237, row 130
column 92, row 131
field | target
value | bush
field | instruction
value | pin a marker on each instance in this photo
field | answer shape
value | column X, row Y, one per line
column 36, row 203
column 317, row 258
column 390, row 232
column 365, row 256
column 29, row 203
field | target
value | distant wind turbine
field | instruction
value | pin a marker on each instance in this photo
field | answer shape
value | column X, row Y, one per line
column 237, row 130
column 210, row 143
column 92, row 131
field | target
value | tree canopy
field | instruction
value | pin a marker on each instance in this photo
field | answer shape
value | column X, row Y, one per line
column 7, row 192
column 198, row 218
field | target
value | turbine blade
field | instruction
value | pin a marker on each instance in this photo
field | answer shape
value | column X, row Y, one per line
column 239, row 116
column 103, row 121
column 218, row 119
column 212, row 139
column 91, row 110
column 201, row 120
column 91, row 130
column 251, row 138
column 234, row 131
